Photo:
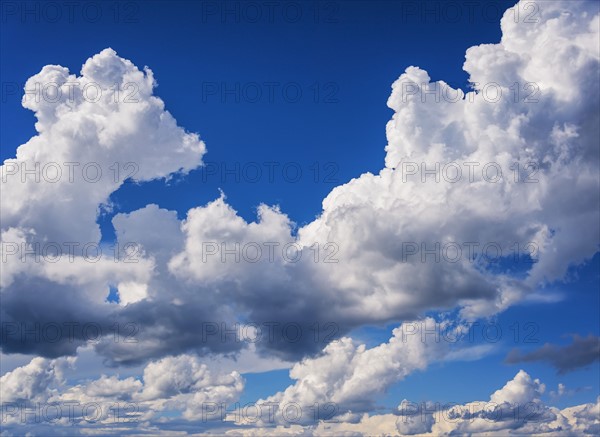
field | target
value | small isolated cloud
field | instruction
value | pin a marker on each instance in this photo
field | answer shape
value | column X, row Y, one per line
column 582, row 352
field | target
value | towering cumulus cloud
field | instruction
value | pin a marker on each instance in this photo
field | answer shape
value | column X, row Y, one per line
column 94, row 131
column 554, row 123
column 107, row 115
column 489, row 173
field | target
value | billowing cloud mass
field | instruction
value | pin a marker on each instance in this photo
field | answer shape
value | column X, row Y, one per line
column 85, row 121
column 330, row 398
column 90, row 139
column 349, row 375
column 515, row 409
column 393, row 247
column 174, row 386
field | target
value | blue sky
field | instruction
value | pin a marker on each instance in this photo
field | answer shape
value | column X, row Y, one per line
column 330, row 72
column 353, row 60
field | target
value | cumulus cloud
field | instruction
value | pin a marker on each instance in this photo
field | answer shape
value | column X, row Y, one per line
column 515, row 409
column 94, row 131
column 349, row 375
column 35, row 381
column 345, row 380
column 374, row 217
column 582, row 352
column 90, row 120
column 387, row 247
column 180, row 393
column 559, row 133
column 374, row 232
column 176, row 387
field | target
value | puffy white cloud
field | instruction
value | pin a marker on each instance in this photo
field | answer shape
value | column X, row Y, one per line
column 94, row 131
column 112, row 387
column 106, row 119
column 179, row 390
column 372, row 216
column 375, row 222
column 520, row 390
column 177, row 386
column 207, row 228
column 515, row 409
column 176, row 375
column 583, row 418
column 106, row 115
column 34, row 382
column 156, row 230
column 345, row 380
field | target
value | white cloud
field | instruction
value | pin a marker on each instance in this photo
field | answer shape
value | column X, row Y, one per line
column 515, row 409
column 370, row 219
column 180, row 387
column 346, row 379
column 35, row 381
column 73, row 127
column 173, row 288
